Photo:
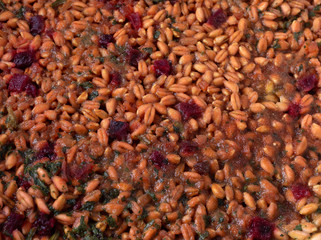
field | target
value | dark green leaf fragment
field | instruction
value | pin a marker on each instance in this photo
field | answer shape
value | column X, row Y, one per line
column 57, row 3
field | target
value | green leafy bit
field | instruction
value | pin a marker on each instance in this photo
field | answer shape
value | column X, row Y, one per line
column 156, row 34
column 86, row 85
column 57, row 3
column 148, row 50
column 203, row 236
column 93, row 95
column 5, row 149
column 276, row 44
column 28, row 156
column 55, row 236
column 2, row 6
column 144, row 214
column 111, row 222
column 296, row 35
column 298, row 227
column 31, row 233
column 21, row 13
column 11, row 120
column 89, row 206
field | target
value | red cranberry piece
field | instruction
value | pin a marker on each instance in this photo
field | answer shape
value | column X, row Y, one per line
column 202, row 167
column 158, row 159
column 217, row 18
column 188, row 149
column 78, row 205
column 47, row 151
column 23, row 60
column 105, row 39
column 135, row 21
column 308, row 82
column 115, row 79
column 18, row 83
column 261, row 229
column 162, row 67
column 45, row 224
column 32, row 89
column 294, row 110
column 81, row 172
column 13, row 222
column 300, row 191
column 118, row 130
column 133, row 57
column 24, row 183
column 189, row 110
column 36, row 25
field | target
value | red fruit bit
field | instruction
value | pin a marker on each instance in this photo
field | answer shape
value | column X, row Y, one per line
column 47, row 151
column 135, row 21
column 32, row 89
column 13, row 222
column 36, row 25
column 308, row 82
column 18, row 83
column 202, row 167
column 300, row 191
column 261, row 229
column 118, row 130
column 81, row 172
column 162, row 67
column 105, row 39
column 78, row 205
column 158, row 159
column 189, row 110
column 133, row 57
column 115, row 79
column 217, row 18
column 188, row 149
column 294, row 110
column 23, row 60
column 24, row 183
column 45, row 224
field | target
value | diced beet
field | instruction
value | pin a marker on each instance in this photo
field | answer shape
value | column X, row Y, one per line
column 115, row 79
column 202, row 167
column 18, row 83
column 24, row 59
column 45, row 224
column 300, row 191
column 308, row 82
column 189, row 110
column 188, row 148
column 48, row 151
column 135, row 21
column 217, row 18
column 133, row 57
column 261, row 229
column 36, row 25
column 13, row 222
column 81, row 172
column 158, row 159
column 32, row 89
column 24, row 183
column 294, row 110
column 105, row 39
column 162, row 67
column 118, row 130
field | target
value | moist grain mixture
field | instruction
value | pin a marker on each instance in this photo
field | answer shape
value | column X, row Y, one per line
column 158, row 119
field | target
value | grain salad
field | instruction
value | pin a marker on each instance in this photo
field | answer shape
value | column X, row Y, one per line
column 160, row 119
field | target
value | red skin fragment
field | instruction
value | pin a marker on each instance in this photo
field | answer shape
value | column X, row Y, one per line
column 300, row 190
column 217, row 18
column 189, row 110
column 261, row 229
column 308, row 82
column 294, row 110
column 135, row 20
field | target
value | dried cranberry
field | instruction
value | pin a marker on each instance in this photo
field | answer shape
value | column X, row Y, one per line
column 135, row 21
column 162, row 67
column 81, row 172
column 189, row 110
column 300, row 191
column 202, row 167
column 48, row 150
column 23, row 60
column 158, row 159
column 118, row 130
column 188, row 149
column 36, row 25
column 294, row 110
column 18, row 83
column 24, row 183
column 217, row 18
column 133, row 57
column 261, row 229
column 172, row 1
column 13, row 222
column 32, row 89
column 45, row 224
column 115, row 79
column 308, row 82
column 105, row 39
column 78, row 205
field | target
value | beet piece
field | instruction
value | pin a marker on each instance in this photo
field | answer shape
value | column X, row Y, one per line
column 261, row 229
column 189, row 110
column 18, row 82
column 23, row 60
column 36, row 25
column 135, row 21
column 217, row 18
column 45, row 224
column 48, row 151
column 162, row 67
column 32, row 89
column 81, row 172
column 118, row 130
column 13, row 222
column 158, row 159
column 188, row 149
column 115, row 79
column 300, row 191
column 308, row 82
column 105, row 39
column 294, row 110
column 133, row 57
column 202, row 167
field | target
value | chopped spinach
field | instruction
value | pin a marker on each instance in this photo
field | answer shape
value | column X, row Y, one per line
column 57, row 3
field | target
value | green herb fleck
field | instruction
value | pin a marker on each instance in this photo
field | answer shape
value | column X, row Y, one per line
column 298, row 227
column 300, row 68
column 89, row 206
column 11, row 120
column 156, row 34
column 148, row 50
column 2, row 6
column 111, row 222
column 57, row 3
column 86, row 85
column 276, row 44
column 93, row 95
